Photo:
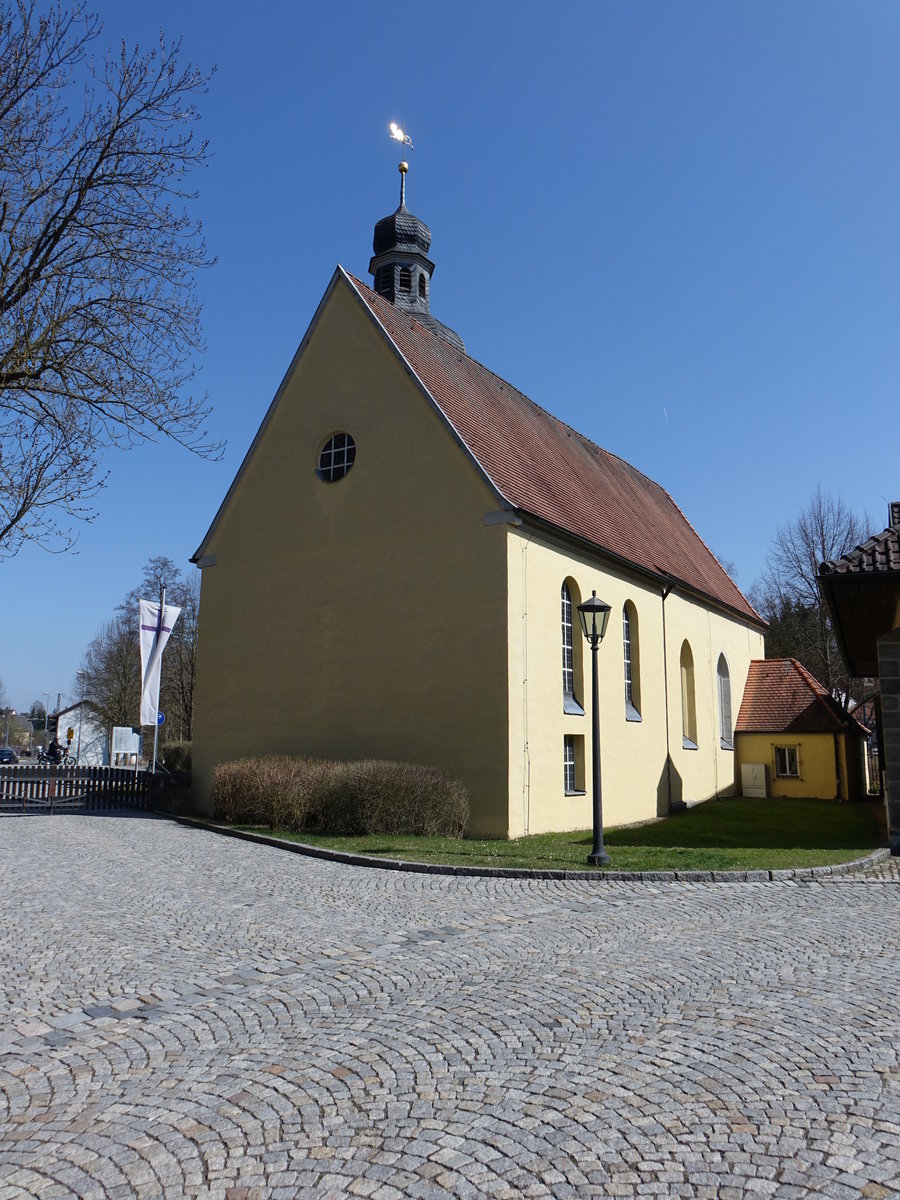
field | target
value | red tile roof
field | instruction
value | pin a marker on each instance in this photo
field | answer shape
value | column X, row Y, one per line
column 781, row 696
column 548, row 470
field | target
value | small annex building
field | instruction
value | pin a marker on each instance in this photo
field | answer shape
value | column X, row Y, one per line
column 808, row 745
column 395, row 572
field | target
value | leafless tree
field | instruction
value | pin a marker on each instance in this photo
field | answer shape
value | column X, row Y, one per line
column 99, row 318
column 788, row 596
column 112, row 672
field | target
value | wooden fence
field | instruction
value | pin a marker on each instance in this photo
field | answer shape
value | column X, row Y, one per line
column 32, row 789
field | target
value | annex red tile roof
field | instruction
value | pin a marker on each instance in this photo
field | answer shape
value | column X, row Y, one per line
column 547, row 469
column 781, row 696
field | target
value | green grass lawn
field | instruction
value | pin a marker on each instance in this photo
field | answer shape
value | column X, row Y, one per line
column 731, row 834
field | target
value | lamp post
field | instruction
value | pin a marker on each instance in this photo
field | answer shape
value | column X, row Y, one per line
column 594, row 615
column 46, row 717
column 10, row 712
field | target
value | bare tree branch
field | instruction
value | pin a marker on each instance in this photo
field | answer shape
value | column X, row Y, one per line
column 787, row 594
column 99, row 317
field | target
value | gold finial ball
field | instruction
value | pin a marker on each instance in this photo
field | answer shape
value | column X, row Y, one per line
column 403, row 168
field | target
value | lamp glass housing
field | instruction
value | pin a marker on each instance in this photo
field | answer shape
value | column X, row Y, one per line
column 594, row 615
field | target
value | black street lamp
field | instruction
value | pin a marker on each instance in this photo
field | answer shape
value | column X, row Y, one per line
column 594, row 615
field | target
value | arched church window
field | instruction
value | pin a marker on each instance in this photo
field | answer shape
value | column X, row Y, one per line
column 571, row 662
column 688, row 699
column 631, row 656
column 726, row 731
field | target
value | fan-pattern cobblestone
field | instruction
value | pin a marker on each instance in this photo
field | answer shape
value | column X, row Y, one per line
column 186, row 1015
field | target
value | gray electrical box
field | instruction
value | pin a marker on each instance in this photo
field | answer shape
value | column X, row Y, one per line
column 754, row 780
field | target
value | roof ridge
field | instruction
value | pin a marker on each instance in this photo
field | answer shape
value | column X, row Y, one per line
column 809, row 678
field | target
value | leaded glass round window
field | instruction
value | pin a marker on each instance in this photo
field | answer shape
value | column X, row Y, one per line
column 336, row 457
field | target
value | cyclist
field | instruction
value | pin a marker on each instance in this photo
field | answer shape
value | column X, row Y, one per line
column 55, row 751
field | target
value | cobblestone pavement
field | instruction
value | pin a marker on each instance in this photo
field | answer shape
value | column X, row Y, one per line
column 186, row 1015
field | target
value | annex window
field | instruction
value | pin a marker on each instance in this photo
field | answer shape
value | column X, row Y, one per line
column 336, row 457
column 787, row 762
column 570, row 704
column 688, row 699
column 726, row 730
column 573, row 764
column 632, row 662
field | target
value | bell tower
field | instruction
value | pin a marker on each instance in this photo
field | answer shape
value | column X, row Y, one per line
column 400, row 264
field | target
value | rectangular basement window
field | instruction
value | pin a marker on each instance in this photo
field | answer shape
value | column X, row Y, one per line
column 573, row 764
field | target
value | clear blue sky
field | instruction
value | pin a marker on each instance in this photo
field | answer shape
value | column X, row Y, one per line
column 676, row 226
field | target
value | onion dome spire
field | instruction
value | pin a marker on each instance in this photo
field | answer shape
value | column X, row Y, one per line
column 400, row 263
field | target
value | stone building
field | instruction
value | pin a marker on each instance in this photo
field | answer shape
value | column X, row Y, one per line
column 862, row 591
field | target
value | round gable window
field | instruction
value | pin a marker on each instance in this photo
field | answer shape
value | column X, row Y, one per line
column 336, row 457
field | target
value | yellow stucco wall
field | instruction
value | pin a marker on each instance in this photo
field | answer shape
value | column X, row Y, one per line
column 816, row 761
column 636, row 773
column 366, row 617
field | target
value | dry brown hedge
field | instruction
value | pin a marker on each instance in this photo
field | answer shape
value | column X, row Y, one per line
column 343, row 798
column 271, row 790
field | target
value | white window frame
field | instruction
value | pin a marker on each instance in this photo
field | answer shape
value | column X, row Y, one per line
column 569, row 775
column 791, row 757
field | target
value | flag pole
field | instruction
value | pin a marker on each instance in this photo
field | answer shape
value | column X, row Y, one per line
column 159, row 628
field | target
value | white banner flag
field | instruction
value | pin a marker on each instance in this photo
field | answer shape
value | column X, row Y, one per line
column 154, row 635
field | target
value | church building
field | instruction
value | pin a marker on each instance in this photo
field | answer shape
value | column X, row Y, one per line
column 395, row 573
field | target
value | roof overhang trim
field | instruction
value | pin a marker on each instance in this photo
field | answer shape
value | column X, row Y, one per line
column 661, row 579
column 862, row 607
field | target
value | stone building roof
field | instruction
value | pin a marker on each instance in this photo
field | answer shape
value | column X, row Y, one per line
column 879, row 554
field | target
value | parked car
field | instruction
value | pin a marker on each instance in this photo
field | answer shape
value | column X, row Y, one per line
column 8, row 755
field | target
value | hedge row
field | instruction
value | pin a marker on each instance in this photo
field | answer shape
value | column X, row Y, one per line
column 341, row 798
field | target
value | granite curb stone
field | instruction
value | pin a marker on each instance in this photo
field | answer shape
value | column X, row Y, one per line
column 393, row 864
